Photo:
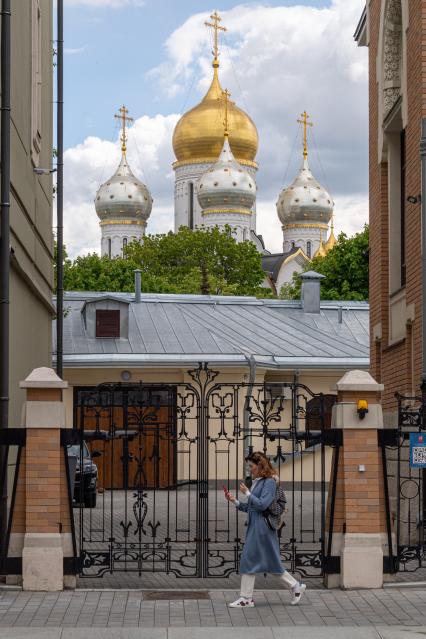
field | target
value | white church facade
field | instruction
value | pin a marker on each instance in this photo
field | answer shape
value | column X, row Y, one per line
column 215, row 144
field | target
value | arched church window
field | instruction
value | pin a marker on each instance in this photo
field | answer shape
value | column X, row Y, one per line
column 293, row 244
column 109, row 247
column 124, row 243
column 309, row 249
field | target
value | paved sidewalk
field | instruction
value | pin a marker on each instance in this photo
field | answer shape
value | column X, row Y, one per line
column 320, row 609
column 213, row 633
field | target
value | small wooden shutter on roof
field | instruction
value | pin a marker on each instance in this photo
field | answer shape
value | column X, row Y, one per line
column 107, row 323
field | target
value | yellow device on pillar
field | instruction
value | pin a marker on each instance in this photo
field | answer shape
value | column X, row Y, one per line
column 362, row 408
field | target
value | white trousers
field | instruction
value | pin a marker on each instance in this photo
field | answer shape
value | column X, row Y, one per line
column 247, row 583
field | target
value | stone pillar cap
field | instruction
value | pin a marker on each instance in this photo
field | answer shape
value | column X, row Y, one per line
column 312, row 275
column 43, row 377
column 358, row 381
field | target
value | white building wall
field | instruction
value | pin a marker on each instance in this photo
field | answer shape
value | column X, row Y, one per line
column 184, row 176
column 301, row 236
column 240, row 224
column 286, row 272
column 114, row 236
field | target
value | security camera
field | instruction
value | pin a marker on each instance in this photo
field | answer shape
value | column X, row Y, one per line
column 38, row 171
column 414, row 199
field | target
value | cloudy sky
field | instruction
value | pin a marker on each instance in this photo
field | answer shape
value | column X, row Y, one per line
column 277, row 59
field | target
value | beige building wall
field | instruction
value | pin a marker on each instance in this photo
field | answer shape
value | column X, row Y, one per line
column 226, row 459
column 31, row 195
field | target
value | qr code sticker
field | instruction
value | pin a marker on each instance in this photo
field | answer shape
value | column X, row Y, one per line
column 419, row 455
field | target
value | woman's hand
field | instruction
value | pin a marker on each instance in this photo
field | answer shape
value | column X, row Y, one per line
column 230, row 497
column 243, row 488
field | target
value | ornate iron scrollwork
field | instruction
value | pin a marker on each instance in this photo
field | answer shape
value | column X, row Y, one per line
column 167, row 450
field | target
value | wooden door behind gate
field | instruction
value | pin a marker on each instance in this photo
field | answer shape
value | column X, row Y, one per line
column 139, row 450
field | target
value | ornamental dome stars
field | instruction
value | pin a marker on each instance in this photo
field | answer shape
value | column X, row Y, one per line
column 305, row 200
column 226, row 186
column 305, row 209
column 123, row 196
column 123, row 203
column 226, row 192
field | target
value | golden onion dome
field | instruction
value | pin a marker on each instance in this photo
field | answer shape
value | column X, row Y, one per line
column 332, row 241
column 198, row 136
column 321, row 251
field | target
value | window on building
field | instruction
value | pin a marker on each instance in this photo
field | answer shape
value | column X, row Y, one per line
column 109, row 247
column 124, row 243
column 309, row 249
column 395, row 140
column 36, row 79
column 107, row 323
column 403, row 204
column 293, row 244
column 191, row 205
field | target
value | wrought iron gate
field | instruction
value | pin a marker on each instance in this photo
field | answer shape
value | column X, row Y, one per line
column 405, row 488
column 12, row 445
column 160, row 455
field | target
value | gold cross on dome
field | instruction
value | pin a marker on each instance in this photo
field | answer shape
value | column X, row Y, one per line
column 226, row 95
column 215, row 17
column 124, row 119
column 305, row 123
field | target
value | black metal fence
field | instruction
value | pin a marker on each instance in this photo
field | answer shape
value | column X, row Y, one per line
column 405, row 488
column 12, row 443
column 149, row 462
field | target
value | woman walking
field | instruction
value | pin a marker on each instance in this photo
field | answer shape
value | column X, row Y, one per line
column 261, row 553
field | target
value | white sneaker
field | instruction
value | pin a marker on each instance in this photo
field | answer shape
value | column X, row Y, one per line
column 297, row 594
column 242, row 602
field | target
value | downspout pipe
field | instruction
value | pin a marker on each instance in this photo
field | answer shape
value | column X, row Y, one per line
column 138, row 282
column 251, row 362
column 60, row 191
column 5, row 74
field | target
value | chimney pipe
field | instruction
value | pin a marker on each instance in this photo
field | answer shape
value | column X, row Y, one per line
column 311, row 291
column 137, row 285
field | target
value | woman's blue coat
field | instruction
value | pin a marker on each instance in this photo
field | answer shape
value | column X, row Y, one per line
column 261, row 552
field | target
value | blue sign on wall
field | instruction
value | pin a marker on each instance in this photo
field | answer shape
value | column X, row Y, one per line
column 418, row 450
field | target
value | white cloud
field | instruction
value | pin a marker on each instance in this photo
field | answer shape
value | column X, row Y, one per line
column 350, row 215
column 76, row 51
column 276, row 61
column 105, row 4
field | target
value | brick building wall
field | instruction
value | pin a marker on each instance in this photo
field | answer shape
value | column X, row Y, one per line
column 397, row 364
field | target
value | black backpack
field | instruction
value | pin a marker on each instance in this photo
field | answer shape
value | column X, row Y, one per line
column 274, row 513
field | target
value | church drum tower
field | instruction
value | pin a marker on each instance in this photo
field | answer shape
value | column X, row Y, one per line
column 198, row 141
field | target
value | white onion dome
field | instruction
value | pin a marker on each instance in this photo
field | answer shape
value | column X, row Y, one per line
column 123, row 196
column 226, row 186
column 305, row 200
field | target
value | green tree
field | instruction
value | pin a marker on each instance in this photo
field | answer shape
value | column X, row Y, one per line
column 66, row 263
column 345, row 268
column 207, row 261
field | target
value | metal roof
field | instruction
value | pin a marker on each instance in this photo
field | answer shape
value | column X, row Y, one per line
column 173, row 330
column 272, row 263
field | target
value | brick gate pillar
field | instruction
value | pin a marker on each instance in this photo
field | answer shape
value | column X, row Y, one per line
column 359, row 526
column 44, row 482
